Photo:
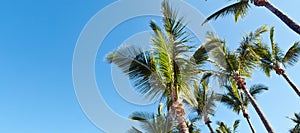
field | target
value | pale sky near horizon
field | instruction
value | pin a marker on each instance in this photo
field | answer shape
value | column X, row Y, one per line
column 37, row 42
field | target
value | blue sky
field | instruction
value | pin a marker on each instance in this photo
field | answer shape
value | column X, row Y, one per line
column 37, row 42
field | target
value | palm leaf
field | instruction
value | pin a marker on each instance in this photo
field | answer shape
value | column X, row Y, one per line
column 239, row 9
column 257, row 89
column 141, row 68
column 292, row 55
column 141, row 116
column 266, row 59
column 232, row 61
column 232, row 99
column 296, row 119
column 276, row 51
column 202, row 53
column 267, row 68
column 235, row 125
column 150, row 122
column 173, row 24
column 134, row 130
column 259, row 31
column 248, row 59
column 163, row 51
column 223, row 128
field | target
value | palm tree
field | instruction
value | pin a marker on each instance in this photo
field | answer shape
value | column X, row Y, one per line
column 296, row 120
column 152, row 123
column 274, row 59
column 158, row 73
column 241, row 63
column 238, row 102
column 223, row 128
column 204, row 104
column 240, row 8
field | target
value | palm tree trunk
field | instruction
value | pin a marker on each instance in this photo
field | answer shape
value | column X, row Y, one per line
column 207, row 123
column 250, row 125
column 247, row 117
column 259, row 111
column 242, row 85
column 291, row 83
column 210, row 128
column 288, row 21
column 179, row 116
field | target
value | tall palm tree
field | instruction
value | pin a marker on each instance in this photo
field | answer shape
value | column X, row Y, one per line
column 274, row 59
column 240, row 8
column 223, row 128
column 238, row 102
column 296, row 120
column 152, row 123
column 165, row 71
column 240, row 64
column 205, row 103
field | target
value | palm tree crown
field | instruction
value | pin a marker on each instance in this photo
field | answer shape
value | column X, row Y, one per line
column 273, row 58
column 238, row 101
column 152, row 123
column 223, row 128
column 296, row 120
column 205, row 102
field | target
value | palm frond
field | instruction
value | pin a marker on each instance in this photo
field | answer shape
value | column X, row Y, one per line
column 163, row 52
column 173, row 24
column 292, row 55
column 149, row 122
column 205, row 99
column 134, row 130
column 263, row 51
column 266, row 58
column 257, row 89
column 232, row 61
column 141, row 116
column 202, row 53
column 248, row 59
column 223, row 128
column 140, row 66
column 267, row 68
column 272, row 35
column 211, row 103
column 235, row 125
column 239, row 9
column 296, row 119
column 276, row 51
column 232, row 99
column 258, row 32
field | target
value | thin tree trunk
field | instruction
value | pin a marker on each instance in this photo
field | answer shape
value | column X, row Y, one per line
column 242, row 85
column 291, row 83
column 179, row 116
column 247, row 117
column 250, row 124
column 210, row 128
column 207, row 123
column 288, row 21
column 259, row 111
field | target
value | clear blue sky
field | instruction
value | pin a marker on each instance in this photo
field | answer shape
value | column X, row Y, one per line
column 37, row 41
